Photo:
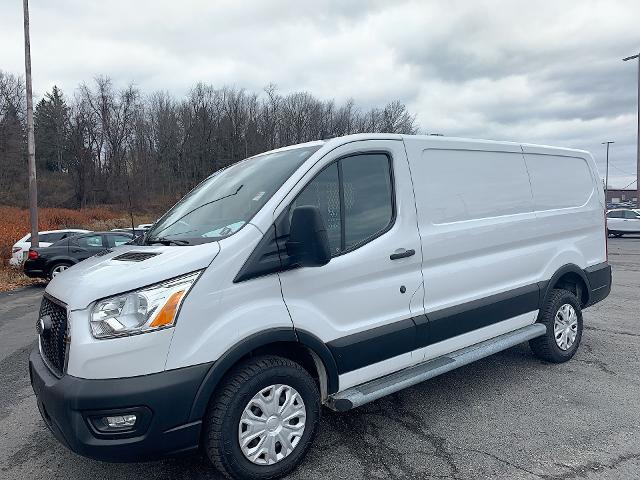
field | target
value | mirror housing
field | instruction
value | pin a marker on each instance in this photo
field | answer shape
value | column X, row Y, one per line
column 308, row 243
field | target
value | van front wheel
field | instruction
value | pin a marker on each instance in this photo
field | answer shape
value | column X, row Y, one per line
column 263, row 419
column 562, row 316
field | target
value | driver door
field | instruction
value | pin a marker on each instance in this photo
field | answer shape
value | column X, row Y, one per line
column 362, row 303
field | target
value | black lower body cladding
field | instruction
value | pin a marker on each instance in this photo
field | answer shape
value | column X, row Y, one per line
column 371, row 346
column 162, row 402
column 599, row 277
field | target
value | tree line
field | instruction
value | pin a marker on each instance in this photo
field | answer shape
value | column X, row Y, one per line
column 108, row 145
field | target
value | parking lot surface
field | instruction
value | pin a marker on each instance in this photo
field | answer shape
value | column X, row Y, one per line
column 509, row 416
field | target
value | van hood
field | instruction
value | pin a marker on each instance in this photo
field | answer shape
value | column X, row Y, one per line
column 126, row 268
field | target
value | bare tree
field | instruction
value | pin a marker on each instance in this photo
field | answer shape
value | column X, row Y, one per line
column 12, row 139
column 120, row 145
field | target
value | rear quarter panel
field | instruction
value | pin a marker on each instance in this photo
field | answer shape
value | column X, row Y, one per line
column 569, row 208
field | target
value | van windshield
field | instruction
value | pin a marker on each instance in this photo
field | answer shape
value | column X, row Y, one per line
column 223, row 203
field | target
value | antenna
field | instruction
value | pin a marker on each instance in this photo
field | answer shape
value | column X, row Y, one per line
column 133, row 228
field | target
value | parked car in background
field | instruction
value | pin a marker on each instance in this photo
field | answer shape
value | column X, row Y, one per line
column 46, row 238
column 623, row 220
column 47, row 262
column 144, row 226
column 615, row 206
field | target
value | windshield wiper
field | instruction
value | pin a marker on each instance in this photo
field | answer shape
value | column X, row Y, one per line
column 166, row 241
column 151, row 241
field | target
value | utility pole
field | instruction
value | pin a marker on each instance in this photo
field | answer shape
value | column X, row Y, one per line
column 31, row 148
column 638, row 132
column 606, row 178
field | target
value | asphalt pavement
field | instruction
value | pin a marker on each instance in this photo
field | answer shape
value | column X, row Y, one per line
column 509, row 416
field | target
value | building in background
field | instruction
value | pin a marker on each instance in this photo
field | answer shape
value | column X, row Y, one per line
column 622, row 195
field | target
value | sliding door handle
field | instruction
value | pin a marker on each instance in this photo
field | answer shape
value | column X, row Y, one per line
column 402, row 253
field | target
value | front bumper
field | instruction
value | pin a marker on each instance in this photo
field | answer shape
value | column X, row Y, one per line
column 162, row 401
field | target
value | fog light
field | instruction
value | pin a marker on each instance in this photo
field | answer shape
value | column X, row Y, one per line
column 121, row 421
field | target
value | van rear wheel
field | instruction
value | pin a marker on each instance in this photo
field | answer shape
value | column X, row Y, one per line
column 262, row 421
column 562, row 316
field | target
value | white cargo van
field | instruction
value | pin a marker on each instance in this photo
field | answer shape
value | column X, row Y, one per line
column 328, row 273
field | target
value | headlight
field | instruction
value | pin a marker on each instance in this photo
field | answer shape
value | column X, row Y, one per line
column 145, row 310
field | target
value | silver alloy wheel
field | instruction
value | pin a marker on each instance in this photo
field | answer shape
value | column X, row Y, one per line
column 272, row 424
column 58, row 269
column 565, row 326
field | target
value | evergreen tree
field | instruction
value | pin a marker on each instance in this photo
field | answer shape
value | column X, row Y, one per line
column 51, row 123
column 13, row 162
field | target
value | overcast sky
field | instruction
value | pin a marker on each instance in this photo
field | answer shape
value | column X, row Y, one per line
column 531, row 71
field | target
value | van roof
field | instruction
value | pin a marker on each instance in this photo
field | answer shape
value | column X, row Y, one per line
column 337, row 141
column 440, row 138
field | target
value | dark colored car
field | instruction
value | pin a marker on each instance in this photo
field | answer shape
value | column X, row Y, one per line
column 47, row 262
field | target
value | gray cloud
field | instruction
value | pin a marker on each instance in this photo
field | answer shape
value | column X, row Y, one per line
column 544, row 71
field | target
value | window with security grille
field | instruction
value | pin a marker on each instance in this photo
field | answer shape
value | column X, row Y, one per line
column 324, row 193
column 355, row 198
column 368, row 207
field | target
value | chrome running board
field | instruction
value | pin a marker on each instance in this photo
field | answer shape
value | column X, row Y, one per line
column 380, row 387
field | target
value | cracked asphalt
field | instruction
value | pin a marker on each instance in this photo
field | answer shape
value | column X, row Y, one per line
column 509, row 416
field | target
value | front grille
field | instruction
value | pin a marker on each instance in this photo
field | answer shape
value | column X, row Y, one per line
column 52, row 327
column 135, row 256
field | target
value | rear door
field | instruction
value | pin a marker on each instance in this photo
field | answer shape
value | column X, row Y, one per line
column 476, row 219
column 85, row 246
column 361, row 303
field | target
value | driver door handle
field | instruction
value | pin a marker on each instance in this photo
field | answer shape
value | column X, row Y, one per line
column 402, row 253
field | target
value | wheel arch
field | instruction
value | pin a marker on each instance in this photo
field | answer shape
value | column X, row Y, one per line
column 300, row 346
column 61, row 259
column 569, row 277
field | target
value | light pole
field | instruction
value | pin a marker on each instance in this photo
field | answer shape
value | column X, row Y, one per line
column 638, row 132
column 606, row 178
column 31, row 149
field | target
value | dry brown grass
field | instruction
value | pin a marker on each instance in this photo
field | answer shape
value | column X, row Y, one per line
column 12, row 278
column 14, row 224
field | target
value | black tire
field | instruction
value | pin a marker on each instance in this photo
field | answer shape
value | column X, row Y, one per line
column 221, row 423
column 54, row 266
column 546, row 347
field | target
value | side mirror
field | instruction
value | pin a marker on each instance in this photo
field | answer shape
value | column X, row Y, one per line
column 308, row 244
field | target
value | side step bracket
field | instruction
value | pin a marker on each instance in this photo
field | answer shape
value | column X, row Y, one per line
column 380, row 387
